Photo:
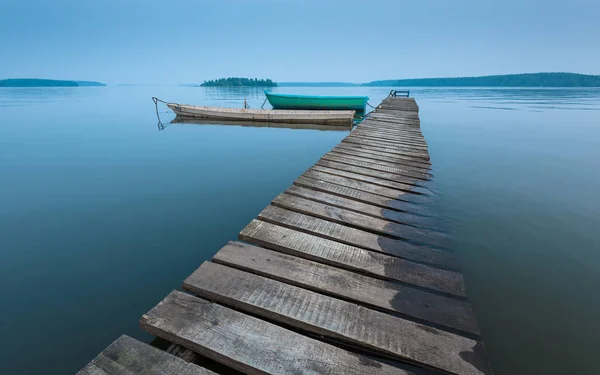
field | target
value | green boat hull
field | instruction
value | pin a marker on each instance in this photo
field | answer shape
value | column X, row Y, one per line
column 288, row 101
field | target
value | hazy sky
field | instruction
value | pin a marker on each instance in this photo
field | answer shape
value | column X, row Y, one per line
column 188, row 41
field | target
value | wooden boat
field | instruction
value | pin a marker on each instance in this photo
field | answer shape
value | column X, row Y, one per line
column 290, row 101
column 344, row 118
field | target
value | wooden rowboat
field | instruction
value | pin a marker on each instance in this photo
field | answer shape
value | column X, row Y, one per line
column 291, row 101
column 344, row 118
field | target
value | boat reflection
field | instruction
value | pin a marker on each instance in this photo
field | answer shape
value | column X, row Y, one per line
column 197, row 121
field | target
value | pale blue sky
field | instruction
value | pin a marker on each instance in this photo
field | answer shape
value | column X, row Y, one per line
column 188, row 41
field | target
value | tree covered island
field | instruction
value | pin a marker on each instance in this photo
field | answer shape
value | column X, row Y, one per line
column 36, row 82
column 239, row 82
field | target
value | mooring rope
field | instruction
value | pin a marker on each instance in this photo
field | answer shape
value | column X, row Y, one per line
column 156, row 100
column 369, row 104
column 263, row 105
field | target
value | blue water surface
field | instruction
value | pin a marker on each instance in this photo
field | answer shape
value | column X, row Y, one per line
column 102, row 213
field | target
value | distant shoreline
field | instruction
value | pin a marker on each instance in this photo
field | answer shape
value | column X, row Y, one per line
column 506, row 80
column 531, row 80
column 527, row 80
column 36, row 82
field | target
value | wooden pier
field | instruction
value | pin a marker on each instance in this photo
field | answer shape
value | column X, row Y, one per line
column 343, row 273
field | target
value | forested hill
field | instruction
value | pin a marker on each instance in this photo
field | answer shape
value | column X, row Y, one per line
column 35, row 82
column 508, row 80
column 234, row 81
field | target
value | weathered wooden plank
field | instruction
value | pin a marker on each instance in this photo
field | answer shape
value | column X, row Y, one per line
column 415, row 146
column 388, row 168
column 384, row 108
column 406, row 151
column 377, row 173
column 389, row 148
column 390, row 138
column 376, row 151
column 444, row 312
column 405, row 103
column 340, row 320
column 385, row 143
column 390, row 119
column 401, row 101
column 397, row 104
column 382, row 157
column 399, row 111
column 248, row 344
column 407, row 107
column 352, row 258
column 127, row 356
column 393, row 115
column 390, row 116
column 388, row 144
column 404, row 199
column 411, row 171
column 394, row 125
column 419, row 194
column 396, row 101
column 356, row 237
column 389, row 135
column 415, row 215
column 409, row 131
column 394, row 128
column 392, row 180
column 399, row 133
column 359, row 220
column 360, row 207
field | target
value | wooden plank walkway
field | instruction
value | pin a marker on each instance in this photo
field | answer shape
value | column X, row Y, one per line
column 343, row 273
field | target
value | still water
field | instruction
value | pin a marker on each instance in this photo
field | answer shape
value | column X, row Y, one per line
column 102, row 213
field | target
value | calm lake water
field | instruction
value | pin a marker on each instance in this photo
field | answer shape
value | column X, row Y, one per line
column 102, row 214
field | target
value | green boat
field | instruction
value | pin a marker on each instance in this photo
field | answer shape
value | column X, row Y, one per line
column 290, row 101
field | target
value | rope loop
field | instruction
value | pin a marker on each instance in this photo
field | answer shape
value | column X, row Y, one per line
column 156, row 100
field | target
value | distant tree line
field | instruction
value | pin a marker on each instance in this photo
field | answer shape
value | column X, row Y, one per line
column 508, row 80
column 36, row 82
column 235, row 81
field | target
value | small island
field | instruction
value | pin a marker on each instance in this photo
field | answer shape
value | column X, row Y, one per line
column 506, row 80
column 239, row 82
column 36, row 82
